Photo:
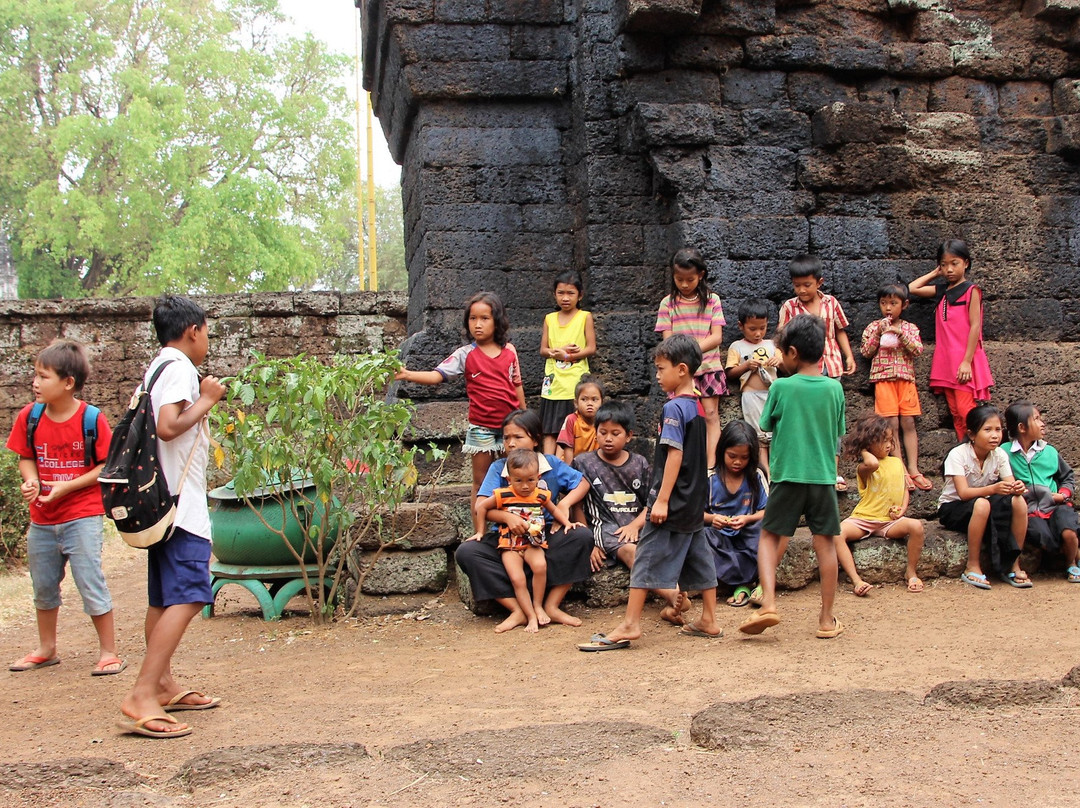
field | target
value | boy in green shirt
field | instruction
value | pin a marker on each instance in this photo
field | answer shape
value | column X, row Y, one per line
column 805, row 412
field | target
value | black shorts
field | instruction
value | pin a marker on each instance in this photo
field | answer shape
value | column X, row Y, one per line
column 553, row 412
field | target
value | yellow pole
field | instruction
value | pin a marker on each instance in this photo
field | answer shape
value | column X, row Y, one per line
column 373, row 267
column 359, row 177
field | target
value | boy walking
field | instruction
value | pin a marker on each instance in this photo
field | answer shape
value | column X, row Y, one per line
column 672, row 550
column 805, row 412
column 614, row 504
column 178, row 568
column 60, row 475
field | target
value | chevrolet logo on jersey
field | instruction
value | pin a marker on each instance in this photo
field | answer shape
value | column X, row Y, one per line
column 621, row 498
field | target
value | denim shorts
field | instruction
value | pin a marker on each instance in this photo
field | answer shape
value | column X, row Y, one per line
column 665, row 560
column 178, row 570
column 49, row 548
column 480, row 439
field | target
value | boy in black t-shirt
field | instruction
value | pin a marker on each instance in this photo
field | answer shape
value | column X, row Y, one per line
column 672, row 551
column 614, row 506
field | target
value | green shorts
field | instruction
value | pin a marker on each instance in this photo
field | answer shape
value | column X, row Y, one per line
column 788, row 501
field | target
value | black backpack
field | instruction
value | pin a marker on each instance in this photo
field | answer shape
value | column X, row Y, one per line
column 133, row 485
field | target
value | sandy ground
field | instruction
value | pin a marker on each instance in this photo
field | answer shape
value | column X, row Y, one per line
column 429, row 707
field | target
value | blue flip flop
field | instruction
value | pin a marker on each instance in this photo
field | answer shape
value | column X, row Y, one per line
column 975, row 579
column 1020, row 583
column 601, row 642
column 1073, row 574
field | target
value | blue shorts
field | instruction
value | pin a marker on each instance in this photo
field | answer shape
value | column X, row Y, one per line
column 178, row 570
column 665, row 560
column 49, row 548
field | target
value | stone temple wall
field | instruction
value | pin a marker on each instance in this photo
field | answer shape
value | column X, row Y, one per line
column 601, row 135
column 120, row 341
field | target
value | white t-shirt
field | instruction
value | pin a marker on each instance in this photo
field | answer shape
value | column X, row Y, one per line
column 179, row 382
column 962, row 460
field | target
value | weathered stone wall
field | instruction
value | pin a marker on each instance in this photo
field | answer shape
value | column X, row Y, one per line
column 120, row 340
column 600, row 135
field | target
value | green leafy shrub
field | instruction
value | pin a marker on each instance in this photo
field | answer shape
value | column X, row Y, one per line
column 14, row 515
column 332, row 424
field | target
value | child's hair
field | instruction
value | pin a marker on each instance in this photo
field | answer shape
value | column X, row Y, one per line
column 68, row 359
column 689, row 258
column 680, row 349
column 867, row 430
column 979, row 416
column 521, row 460
column 806, row 264
column 571, row 277
column 954, row 246
column 527, row 420
column 806, row 334
column 589, row 380
column 897, row 290
column 615, row 412
column 498, row 314
column 740, row 433
column 754, row 308
column 1017, row 413
column 175, row 314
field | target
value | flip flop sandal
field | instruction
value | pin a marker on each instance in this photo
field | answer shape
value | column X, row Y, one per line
column 99, row 669
column 1073, row 575
column 920, row 482
column 756, row 594
column 176, row 704
column 740, row 597
column 975, row 579
column 139, row 727
column 32, row 663
column 690, row 630
column 1012, row 579
column 601, row 642
column 759, row 622
column 831, row 633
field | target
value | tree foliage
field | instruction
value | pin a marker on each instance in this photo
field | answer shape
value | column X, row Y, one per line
column 389, row 246
column 169, row 144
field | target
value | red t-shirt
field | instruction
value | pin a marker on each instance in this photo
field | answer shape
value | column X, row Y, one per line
column 61, row 456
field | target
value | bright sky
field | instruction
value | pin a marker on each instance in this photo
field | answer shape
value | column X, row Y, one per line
column 335, row 22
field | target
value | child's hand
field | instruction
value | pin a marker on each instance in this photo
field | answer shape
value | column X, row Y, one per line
column 30, row 490
column 719, row 520
column 58, row 490
column 627, row 534
column 774, row 361
column 737, row 522
column 211, row 388
column 1018, row 488
column 1002, row 487
column 963, row 373
column 895, row 512
column 658, row 514
column 849, row 365
column 401, row 376
column 516, row 525
column 475, row 537
column 597, row 558
column 570, row 350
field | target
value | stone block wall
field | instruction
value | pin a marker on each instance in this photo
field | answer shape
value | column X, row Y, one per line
column 120, row 340
column 600, row 135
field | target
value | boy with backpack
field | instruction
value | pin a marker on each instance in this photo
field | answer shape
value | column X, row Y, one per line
column 178, row 568
column 61, row 443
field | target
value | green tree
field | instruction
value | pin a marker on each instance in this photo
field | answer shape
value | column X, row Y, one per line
column 169, row 144
column 389, row 246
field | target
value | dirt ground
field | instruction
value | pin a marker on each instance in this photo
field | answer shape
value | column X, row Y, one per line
column 428, row 707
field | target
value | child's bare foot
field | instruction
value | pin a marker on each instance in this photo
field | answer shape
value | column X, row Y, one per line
column 862, row 589
column 542, row 618
column 682, row 601
column 625, row 631
column 673, row 615
column 516, row 618
column 557, row 615
column 532, row 626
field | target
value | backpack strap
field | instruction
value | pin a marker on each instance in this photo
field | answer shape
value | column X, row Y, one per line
column 89, row 428
column 157, row 373
column 32, row 421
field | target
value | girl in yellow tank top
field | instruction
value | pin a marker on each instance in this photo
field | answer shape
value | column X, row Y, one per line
column 567, row 341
